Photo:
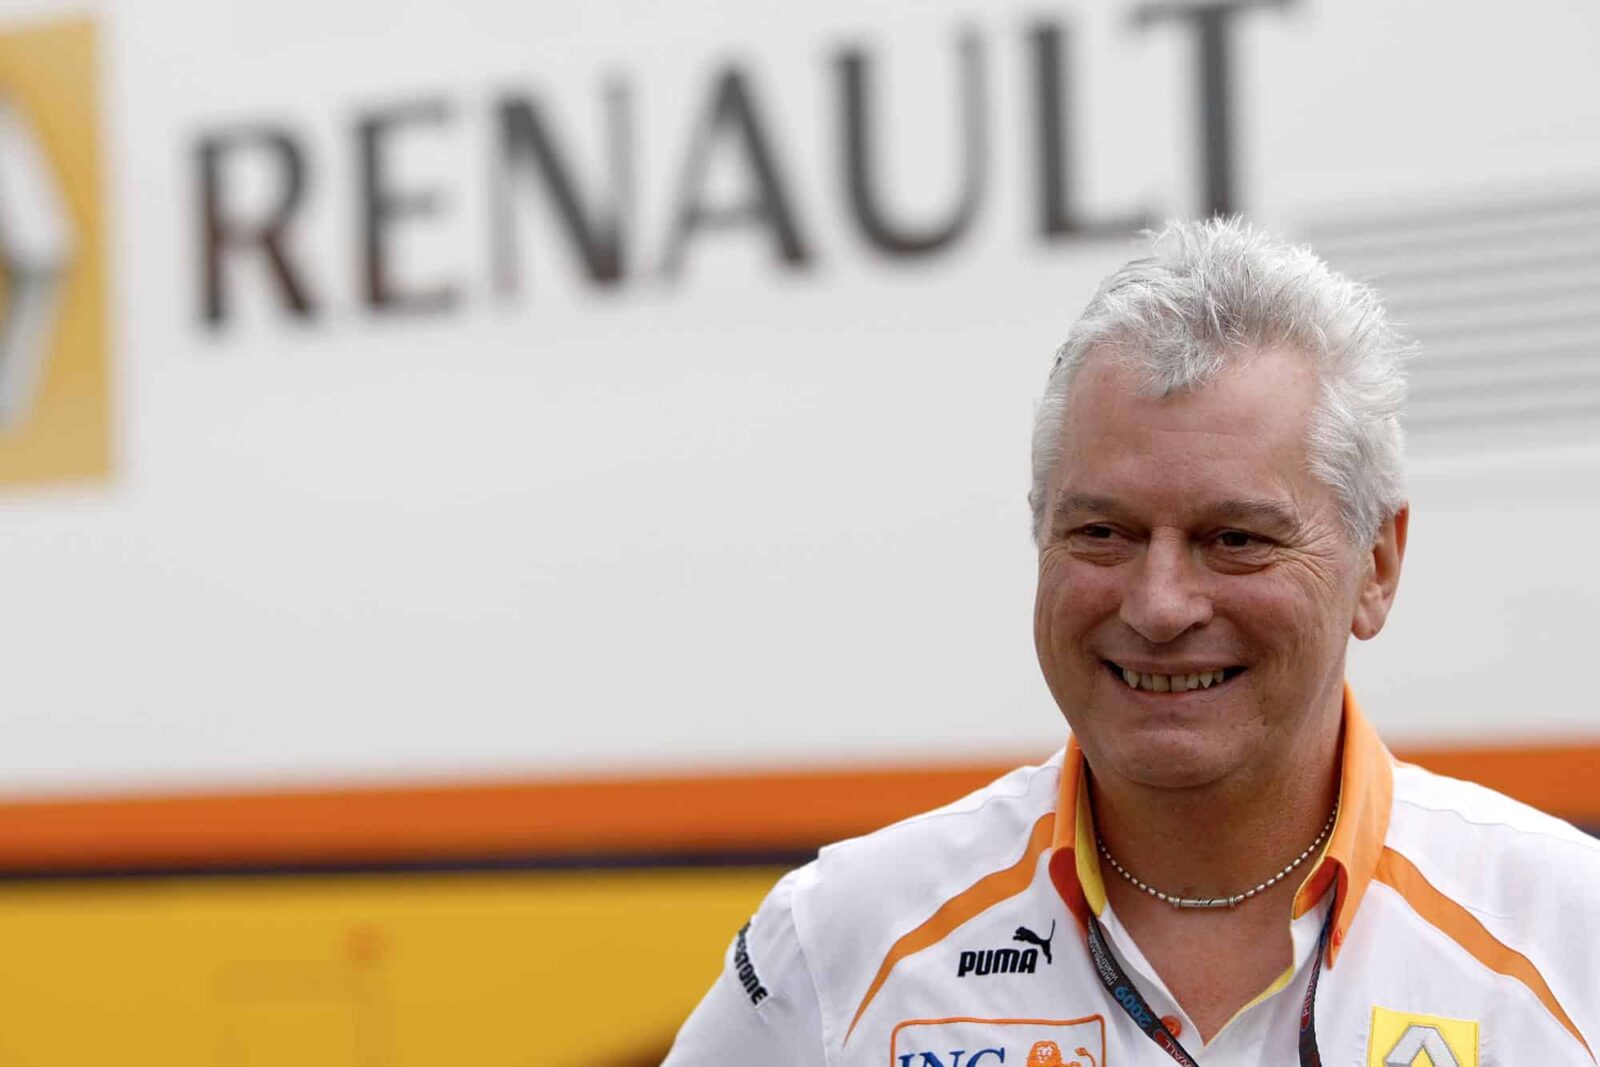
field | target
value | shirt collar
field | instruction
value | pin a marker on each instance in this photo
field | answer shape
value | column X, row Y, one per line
column 1366, row 792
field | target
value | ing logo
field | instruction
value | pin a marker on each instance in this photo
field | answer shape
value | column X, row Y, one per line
column 966, row 1041
column 54, row 392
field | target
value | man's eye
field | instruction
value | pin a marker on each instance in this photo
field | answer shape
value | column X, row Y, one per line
column 1098, row 533
column 1236, row 539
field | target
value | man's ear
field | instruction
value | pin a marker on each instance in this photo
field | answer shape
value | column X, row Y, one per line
column 1383, row 576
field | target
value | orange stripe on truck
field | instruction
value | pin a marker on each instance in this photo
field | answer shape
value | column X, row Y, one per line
column 657, row 815
column 645, row 816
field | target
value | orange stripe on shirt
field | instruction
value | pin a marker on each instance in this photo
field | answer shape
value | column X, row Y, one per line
column 977, row 898
column 1462, row 927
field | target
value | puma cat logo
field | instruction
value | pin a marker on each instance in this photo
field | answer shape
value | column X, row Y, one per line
column 1027, row 935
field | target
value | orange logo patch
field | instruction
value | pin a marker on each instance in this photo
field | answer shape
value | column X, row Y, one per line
column 1048, row 1054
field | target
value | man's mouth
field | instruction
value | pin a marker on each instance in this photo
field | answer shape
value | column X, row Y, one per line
column 1173, row 683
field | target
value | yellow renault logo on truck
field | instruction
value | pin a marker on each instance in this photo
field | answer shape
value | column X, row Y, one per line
column 54, row 399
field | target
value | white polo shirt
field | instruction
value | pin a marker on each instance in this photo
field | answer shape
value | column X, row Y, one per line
column 1467, row 931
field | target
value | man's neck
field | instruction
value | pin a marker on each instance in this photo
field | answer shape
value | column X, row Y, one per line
column 1221, row 839
column 1216, row 842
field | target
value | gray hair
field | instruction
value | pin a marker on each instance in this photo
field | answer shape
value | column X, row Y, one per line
column 1212, row 290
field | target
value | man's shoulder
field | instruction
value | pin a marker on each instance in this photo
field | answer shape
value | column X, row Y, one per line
column 861, row 896
column 1431, row 810
column 946, row 848
column 1503, row 888
column 1499, row 858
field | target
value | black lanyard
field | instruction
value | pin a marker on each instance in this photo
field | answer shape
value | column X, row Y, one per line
column 1125, row 993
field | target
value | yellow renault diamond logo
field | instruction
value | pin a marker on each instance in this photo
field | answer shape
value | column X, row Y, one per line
column 1404, row 1039
column 54, row 402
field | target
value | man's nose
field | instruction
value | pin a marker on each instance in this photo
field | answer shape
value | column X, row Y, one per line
column 1166, row 595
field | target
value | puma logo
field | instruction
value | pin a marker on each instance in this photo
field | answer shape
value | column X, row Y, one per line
column 1027, row 935
column 983, row 962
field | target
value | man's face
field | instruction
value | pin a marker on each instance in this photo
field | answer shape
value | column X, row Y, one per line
column 1186, row 537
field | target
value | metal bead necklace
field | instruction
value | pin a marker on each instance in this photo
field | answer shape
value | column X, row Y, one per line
column 1221, row 902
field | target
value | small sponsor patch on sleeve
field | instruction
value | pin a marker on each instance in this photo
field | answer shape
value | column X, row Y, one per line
column 745, row 969
column 1402, row 1039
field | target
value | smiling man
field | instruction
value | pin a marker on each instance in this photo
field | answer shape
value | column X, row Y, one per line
column 1240, row 872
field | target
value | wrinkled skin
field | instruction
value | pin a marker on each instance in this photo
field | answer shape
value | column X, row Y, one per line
column 1187, row 532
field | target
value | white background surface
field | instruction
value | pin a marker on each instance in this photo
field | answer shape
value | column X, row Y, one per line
column 748, row 516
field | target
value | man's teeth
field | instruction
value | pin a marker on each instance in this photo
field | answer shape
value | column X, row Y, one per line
column 1170, row 683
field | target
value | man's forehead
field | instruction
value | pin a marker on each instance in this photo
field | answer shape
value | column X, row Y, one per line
column 1241, row 436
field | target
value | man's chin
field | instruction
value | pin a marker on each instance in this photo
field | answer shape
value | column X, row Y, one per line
column 1165, row 759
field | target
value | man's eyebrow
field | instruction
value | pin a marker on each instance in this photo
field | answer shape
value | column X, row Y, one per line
column 1268, row 512
column 1084, row 503
column 1272, row 513
column 1076, row 502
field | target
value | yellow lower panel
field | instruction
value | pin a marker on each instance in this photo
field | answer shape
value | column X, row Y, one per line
column 548, row 969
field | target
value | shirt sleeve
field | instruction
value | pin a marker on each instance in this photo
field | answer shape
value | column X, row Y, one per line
column 763, row 1007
